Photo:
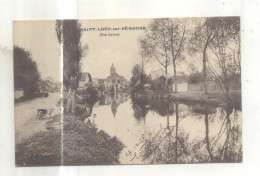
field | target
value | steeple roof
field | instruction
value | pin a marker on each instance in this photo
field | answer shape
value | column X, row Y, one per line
column 112, row 69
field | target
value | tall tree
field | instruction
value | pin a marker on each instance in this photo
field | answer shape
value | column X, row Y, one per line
column 26, row 75
column 176, row 31
column 221, row 63
column 69, row 34
column 233, row 28
column 155, row 45
column 202, row 36
column 143, row 61
column 136, row 73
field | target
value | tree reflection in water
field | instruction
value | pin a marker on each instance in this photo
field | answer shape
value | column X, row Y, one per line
column 114, row 100
column 172, row 144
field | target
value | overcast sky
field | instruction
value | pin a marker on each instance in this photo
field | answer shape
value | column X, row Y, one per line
column 122, row 51
column 39, row 37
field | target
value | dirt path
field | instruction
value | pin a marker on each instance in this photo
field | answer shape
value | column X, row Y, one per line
column 26, row 123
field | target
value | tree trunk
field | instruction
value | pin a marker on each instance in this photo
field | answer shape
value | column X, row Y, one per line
column 176, row 137
column 175, row 76
column 212, row 158
column 142, row 75
column 166, row 81
column 205, row 68
column 168, row 120
column 70, row 107
column 228, row 99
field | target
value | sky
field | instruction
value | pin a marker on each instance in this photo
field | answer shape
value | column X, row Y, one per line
column 39, row 37
column 122, row 51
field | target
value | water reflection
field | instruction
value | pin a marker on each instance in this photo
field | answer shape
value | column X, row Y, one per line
column 114, row 100
column 170, row 132
column 173, row 144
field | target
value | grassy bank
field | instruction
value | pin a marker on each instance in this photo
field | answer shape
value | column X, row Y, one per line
column 41, row 149
column 82, row 145
column 85, row 145
column 212, row 98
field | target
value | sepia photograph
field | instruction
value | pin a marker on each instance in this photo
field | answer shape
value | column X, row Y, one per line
column 127, row 91
column 37, row 93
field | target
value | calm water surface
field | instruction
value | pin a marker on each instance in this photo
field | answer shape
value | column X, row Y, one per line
column 170, row 132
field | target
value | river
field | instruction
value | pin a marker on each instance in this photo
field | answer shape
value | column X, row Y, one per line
column 158, row 132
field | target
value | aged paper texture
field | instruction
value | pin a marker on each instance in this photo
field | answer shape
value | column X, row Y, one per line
column 127, row 91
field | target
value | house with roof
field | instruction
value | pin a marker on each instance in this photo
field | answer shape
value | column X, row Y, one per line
column 84, row 81
column 95, row 82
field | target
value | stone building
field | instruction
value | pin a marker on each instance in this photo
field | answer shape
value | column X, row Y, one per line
column 114, row 81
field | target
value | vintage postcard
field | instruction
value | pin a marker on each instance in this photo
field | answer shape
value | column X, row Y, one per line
column 127, row 91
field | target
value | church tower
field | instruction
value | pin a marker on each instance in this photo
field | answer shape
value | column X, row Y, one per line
column 112, row 70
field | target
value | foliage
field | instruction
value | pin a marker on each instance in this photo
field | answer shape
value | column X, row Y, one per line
column 202, row 35
column 101, row 87
column 164, row 42
column 26, row 75
column 49, row 85
column 200, row 40
column 140, row 107
column 69, row 34
column 139, row 78
column 136, row 72
column 155, row 44
column 176, row 33
column 216, row 40
column 195, row 77
column 159, row 83
column 91, row 94
column 225, row 49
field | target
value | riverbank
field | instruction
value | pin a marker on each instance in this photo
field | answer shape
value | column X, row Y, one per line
column 84, row 144
column 214, row 98
column 76, row 144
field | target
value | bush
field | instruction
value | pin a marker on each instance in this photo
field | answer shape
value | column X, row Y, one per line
column 26, row 75
column 159, row 84
column 195, row 77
